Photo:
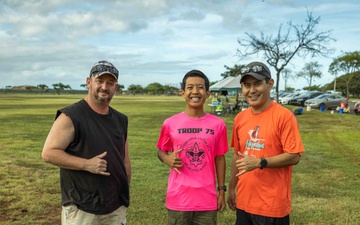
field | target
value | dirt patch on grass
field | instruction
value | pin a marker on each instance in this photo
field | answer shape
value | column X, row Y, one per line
column 4, row 218
column 50, row 218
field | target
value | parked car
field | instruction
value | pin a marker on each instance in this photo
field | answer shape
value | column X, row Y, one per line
column 300, row 100
column 285, row 99
column 281, row 94
column 329, row 101
column 357, row 108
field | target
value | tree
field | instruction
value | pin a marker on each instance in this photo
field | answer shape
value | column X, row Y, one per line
column 286, row 75
column 349, row 64
column 60, row 86
column 278, row 51
column 310, row 71
column 342, row 85
column 120, row 88
column 84, row 86
column 155, row 88
column 67, row 87
column 313, row 88
column 42, row 87
column 171, row 90
column 135, row 89
column 232, row 72
column 354, row 86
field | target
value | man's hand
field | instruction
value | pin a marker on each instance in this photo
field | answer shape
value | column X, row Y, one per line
column 97, row 165
column 231, row 199
column 246, row 163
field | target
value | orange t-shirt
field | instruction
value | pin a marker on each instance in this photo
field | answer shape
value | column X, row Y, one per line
column 266, row 192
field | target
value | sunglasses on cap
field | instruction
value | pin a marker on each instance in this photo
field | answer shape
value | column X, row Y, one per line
column 254, row 69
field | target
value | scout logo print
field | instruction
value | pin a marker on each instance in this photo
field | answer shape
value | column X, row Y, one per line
column 195, row 154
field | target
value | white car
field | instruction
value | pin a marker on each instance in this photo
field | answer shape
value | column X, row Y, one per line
column 285, row 99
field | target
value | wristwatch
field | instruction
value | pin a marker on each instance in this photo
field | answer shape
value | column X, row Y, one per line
column 263, row 163
column 222, row 188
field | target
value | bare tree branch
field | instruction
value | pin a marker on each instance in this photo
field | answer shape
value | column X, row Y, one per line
column 296, row 40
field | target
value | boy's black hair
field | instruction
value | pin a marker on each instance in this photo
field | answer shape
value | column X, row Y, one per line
column 195, row 73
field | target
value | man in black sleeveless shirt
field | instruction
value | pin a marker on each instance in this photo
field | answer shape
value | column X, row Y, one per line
column 88, row 141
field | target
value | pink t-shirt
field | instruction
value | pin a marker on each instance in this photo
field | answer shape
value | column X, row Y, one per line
column 202, row 139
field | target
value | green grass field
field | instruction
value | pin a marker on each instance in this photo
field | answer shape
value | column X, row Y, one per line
column 326, row 182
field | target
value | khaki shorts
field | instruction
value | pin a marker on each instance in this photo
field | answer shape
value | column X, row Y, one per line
column 192, row 217
column 71, row 215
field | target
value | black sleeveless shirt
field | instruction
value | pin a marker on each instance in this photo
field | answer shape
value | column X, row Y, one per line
column 94, row 134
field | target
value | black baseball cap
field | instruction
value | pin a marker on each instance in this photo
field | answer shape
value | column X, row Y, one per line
column 258, row 70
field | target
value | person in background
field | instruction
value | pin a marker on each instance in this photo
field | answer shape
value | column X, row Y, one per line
column 266, row 142
column 237, row 105
column 193, row 144
column 88, row 141
column 344, row 107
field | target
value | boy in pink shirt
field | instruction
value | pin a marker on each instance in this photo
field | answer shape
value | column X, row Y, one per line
column 193, row 144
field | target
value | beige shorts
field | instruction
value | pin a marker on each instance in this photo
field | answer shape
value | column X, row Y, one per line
column 71, row 215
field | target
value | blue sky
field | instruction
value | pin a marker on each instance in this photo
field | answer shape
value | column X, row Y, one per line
column 47, row 42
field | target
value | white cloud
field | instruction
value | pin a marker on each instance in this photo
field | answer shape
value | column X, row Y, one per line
column 59, row 40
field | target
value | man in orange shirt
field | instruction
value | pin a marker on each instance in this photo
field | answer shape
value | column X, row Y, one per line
column 266, row 142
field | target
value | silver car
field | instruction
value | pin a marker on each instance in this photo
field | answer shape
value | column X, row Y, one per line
column 328, row 101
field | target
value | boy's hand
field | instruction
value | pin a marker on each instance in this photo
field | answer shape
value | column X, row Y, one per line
column 173, row 161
